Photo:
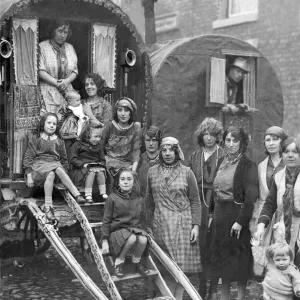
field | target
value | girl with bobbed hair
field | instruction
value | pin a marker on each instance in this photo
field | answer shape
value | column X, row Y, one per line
column 152, row 139
column 121, row 138
column 95, row 106
column 235, row 190
column 203, row 162
column 268, row 168
column 57, row 67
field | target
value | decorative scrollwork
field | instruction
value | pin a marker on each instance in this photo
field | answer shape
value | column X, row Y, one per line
column 93, row 245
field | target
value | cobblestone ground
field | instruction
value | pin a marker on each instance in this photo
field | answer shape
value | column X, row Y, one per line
column 48, row 278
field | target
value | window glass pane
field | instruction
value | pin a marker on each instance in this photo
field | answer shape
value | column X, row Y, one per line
column 237, row 7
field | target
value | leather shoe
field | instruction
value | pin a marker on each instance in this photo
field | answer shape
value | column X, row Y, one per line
column 141, row 269
column 79, row 199
column 49, row 212
column 119, row 270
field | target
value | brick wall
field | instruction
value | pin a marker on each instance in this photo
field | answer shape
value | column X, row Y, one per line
column 277, row 31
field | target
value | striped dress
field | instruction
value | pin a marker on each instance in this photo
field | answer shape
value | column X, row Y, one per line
column 173, row 198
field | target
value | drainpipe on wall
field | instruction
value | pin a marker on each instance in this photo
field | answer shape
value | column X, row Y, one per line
column 150, row 33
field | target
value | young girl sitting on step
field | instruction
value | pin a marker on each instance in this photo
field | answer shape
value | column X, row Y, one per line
column 121, row 224
column 46, row 158
column 88, row 161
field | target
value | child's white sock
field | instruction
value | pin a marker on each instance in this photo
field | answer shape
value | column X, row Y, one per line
column 136, row 260
column 119, row 261
column 48, row 201
column 102, row 190
column 88, row 192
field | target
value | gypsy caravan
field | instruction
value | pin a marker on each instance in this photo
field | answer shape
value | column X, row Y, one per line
column 106, row 42
column 189, row 84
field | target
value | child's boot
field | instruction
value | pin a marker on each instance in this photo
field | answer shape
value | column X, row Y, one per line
column 49, row 212
column 79, row 199
column 88, row 195
column 138, row 267
column 102, row 191
column 119, row 267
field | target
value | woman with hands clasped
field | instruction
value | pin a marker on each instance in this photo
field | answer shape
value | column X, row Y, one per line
column 174, row 212
column 236, row 190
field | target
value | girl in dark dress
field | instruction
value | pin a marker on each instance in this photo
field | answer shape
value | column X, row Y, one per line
column 122, row 228
column 236, row 190
column 88, row 161
column 46, row 158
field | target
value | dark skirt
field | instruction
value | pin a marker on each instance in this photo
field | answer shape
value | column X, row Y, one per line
column 118, row 238
column 41, row 169
column 230, row 258
column 78, row 176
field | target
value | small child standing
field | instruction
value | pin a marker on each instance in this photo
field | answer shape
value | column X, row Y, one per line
column 121, row 224
column 73, row 119
column 46, row 158
column 88, row 161
column 282, row 277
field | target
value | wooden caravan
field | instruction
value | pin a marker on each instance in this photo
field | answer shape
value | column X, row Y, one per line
column 106, row 42
column 189, row 84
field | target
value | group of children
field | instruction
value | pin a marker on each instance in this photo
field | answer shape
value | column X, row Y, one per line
column 46, row 160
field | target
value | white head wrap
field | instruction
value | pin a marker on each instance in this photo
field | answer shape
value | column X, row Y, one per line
column 171, row 141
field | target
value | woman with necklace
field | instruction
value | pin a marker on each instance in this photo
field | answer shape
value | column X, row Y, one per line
column 283, row 200
column 152, row 140
column 121, row 138
column 268, row 168
column 236, row 190
column 57, row 67
column 203, row 162
column 174, row 212
column 95, row 106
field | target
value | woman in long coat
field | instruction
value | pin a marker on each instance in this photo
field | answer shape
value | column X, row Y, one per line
column 174, row 201
column 236, row 190
column 268, row 168
column 203, row 162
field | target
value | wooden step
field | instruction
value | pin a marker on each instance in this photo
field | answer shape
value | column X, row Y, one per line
column 96, row 224
column 133, row 276
column 161, row 298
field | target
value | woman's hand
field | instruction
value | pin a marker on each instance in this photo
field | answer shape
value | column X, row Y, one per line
column 236, row 230
column 105, row 247
column 85, row 165
column 88, row 110
column 194, row 234
column 133, row 167
column 62, row 85
column 259, row 231
column 29, row 180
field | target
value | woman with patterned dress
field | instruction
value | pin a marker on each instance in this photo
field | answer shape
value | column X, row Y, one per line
column 236, row 190
column 121, row 138
column 152, row 140
column 174, row 211
column 268, row 168
column 57, row 67
column 203, row 162
column 96, row 107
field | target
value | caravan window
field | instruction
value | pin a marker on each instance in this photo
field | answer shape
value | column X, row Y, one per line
column 225, row 84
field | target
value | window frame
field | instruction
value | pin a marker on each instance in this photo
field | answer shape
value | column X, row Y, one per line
column 226, row 53
column 233, row 15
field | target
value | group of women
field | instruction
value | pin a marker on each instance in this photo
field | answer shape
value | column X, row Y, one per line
column 200, row 214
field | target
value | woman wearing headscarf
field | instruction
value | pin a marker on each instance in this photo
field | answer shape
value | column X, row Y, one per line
column 174, row 211
column 152, row 139
column 57, row 67
column 203, row 162
column 283, row 199
column 268, row 168
column 121, row 138
column 236, row 190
